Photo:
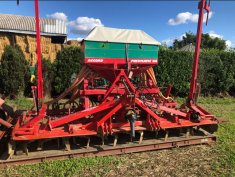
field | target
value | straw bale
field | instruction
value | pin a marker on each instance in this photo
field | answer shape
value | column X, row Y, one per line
column 1, row 55
column 22, row 46
column 53, row 56
column 33, row 60
column 53, row 48
column 27, row 56
column 45, row 39
column 4, row 41
column 20, row 38
column 32, row 47
column 31, row 39
column 73, row 42
column 58, row 47
column 46, row 56
column 45, row 49
column 64, row 46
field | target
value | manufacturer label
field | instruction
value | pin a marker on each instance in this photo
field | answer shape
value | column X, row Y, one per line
column 94, row 60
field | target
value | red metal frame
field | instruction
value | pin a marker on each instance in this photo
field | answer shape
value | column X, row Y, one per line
column 109, row 116
column 114, row 103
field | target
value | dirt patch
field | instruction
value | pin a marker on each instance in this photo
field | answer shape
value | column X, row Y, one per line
column 180, row 162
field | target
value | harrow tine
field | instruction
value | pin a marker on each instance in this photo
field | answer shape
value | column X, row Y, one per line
column 156, row 134
column 88, row 142
column 102, row 138
column 66, row 144
column 188, row 132
column 58, row 143
column 203, row 131
column 11, row 148
column 141, row 137
column 180, row 131
column 115, row 140
column 192, row 131
column 74, row 140
column 166, row 135
column 40, row 145
column 25, row 148
column 131, row 139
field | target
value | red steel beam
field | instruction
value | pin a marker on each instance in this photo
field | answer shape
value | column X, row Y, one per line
column 40, row 79
column 81, row 114
column 202, row 6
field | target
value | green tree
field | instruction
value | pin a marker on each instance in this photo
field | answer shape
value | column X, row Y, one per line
column 14, row 71
column 48, row 76
column 68, row 62
column 207, row 42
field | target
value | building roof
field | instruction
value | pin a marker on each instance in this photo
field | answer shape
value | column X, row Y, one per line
column 188, row 48
column 104, row 34
column 26, row 25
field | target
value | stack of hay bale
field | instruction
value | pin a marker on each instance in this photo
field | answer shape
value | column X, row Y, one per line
column 4, row 41
column 74, row 43
column 28, row 44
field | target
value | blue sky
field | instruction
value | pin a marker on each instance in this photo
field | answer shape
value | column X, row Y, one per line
column 151, row 16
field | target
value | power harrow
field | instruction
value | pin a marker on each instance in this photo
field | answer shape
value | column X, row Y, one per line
column 113, row 106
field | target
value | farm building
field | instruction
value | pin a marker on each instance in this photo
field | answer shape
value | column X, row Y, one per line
column 20, row 30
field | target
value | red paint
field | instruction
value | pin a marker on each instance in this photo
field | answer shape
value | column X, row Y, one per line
column 106, row 109
column 40, row 80
column 202, row 6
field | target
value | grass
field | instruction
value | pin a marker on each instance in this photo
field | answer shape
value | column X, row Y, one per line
column 63, row 168
column 225, row 147
column 222, row 165
column 20, row 103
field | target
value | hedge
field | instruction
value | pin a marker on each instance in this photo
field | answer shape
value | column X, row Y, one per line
column 216, row 71
column 14, row 71
column 67, row 64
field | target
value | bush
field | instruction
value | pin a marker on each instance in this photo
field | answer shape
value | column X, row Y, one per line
column 48, row 76
column 14, row 71
column 68, row 62
column 216, row 71
column 174, row 68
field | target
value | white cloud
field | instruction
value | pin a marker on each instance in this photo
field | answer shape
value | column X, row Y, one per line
column 214, row 35
column 169, row 41
column 58, row 15
column 228, row 42
column 186, row 17
column 83, row 25
column 78, row 39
